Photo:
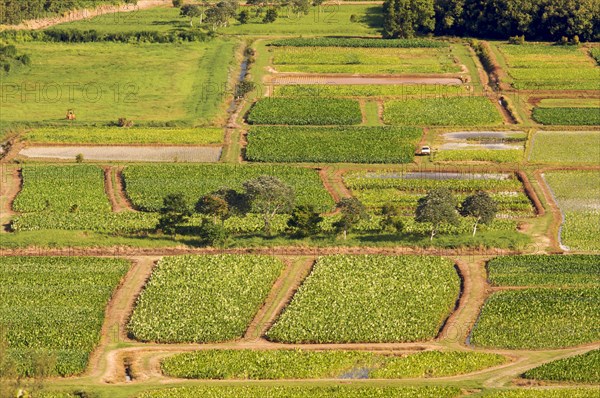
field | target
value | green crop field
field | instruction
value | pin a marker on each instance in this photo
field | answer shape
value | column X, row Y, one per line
column 545, row 271
column 339, row 144
column 568, row 103
column 547, row 67
column 578, row 369
column 300, row 364
column 202, row 298
column 147, row 184
column 80, row 203
column 364, row 60
column 565, row 147
column 371, row 90
column 353, row 42
column 55, row 304
column 456, row 111
column 567, row 116
column 479, row 155
column 304, row 392
column 305, row 111
column 103, row 82
column 370, row 299
column 577, row 194
column 539, row 318
column 115, row 136
column 547, row 393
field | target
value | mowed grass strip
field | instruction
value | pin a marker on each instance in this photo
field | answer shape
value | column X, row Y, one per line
column 566, row 147
column 578, row 369
column 457, row 111
column 124, row 136
column 539, row 319
column 333, row 145
column 302, row 364
column 305, row 111
column 55, row 304
column 545, row 270
column 200, row 299
column 103, row 82
column 355, row 299
column 303, row 392
column 146, row 185
column 567, row 116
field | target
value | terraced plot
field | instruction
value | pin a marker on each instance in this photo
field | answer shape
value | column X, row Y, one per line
column 370, row 299
column 202, row 298
column 55, row 305
column 577, row 194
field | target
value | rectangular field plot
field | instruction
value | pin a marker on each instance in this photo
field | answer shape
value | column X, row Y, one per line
column 305, row 111
column 545, row 271
column 124, row 136
column 389, row 88
column 456, row 111
column 584, row 116
column 365, row 60
column 566, row 147
column 304, row 392
column 578, row 196
column 147, row 184
column 202, row 298
column 353, row 299
column 377, row 189
column 339, row 144
column 547, row 393
column 70, row 198
column 550, row 67
column 103, row 82
column 301, row 364
column 539, row 318
column 578, row 369
column 56, row 304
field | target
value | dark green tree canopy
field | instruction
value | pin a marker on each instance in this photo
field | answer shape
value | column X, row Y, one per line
column 480, row 206
column 269, row 196
column 437, row 208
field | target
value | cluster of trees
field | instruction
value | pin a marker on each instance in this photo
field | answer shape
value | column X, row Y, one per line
column 10, row 58
column 13, row 12
column 269, row 196
column 534, row 19
column 57, row 35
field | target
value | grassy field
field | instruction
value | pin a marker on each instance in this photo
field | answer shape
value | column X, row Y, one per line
column 370, row 299
column 577, row 194
column 539, row 318
column 103, row 82
column 337, row 144
column 55, row 304
column 147, row 184
column 364, row 60
column 299, row 364
column 569, row 147
column 457, row 111
column 126, row 136
column 202, row 298
column 569, row 103
column 548, row 67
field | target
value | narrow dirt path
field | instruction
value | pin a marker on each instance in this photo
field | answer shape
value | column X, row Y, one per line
column 474, row 292
column 380, row 111
column 557, row 216
column 10, row 185
column 77, row 15
column 109, row 189
column 119, row 189
column 329, row 186
column 116, row 317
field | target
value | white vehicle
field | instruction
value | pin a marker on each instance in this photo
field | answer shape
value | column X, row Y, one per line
column 425, row 150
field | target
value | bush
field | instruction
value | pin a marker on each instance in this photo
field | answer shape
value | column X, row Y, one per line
column 213, row 234
column 518, row 40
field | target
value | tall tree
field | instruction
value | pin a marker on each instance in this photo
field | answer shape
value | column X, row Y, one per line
column 173, row 212
column 437, row 208
column 352, row 211
column 269, row 196
column 481, row 207
column 406, row 18
column 214, row 206
column 304, row 221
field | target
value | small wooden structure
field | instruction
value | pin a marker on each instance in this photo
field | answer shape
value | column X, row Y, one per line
column 71, row 114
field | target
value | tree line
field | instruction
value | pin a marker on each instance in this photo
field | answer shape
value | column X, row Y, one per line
column 548, row 20
column 12, row 12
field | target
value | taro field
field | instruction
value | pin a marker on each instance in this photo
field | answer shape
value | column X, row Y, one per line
column 55, row 305
column 566, row 147
column 370, row 299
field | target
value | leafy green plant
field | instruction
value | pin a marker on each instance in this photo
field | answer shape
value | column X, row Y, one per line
column 567, row 116
column 578, row 369
column 355, row 42
column 305, row 111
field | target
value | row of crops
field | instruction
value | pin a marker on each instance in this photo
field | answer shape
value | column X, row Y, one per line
column 372, row 90
column 332, row 145
column 302, row 364
column 305, row 111
column 55, row 305
column 578, row 369
column 567, row 116
column 560, row 306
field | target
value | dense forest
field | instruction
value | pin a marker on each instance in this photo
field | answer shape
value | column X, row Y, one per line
column 15, row 11
column 535, row 19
